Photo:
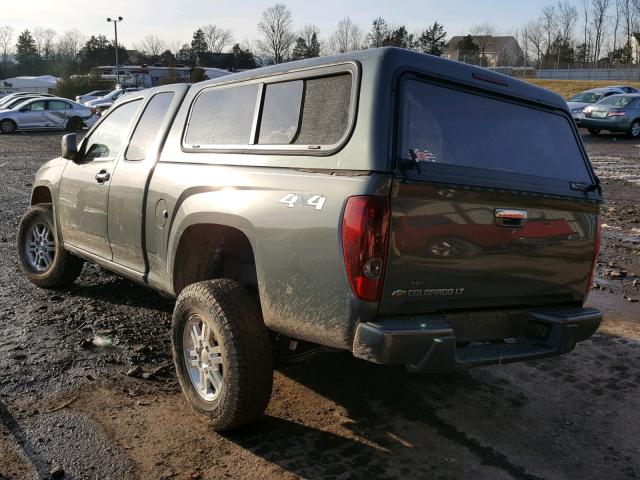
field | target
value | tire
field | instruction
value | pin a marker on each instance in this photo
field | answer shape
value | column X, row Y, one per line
column 235, row 347
column 74, row 124
column 37, row 233
column 594, row 131
column 8, row 126
column 634, row 129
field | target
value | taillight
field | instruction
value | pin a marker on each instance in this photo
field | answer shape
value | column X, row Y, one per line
column 596, row 253
column 365, row 233
column 93, row 110
column 616, row 114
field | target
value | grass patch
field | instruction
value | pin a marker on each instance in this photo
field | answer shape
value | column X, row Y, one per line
column 568, row 88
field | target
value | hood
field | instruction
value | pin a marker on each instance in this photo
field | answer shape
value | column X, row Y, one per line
column 576, row 105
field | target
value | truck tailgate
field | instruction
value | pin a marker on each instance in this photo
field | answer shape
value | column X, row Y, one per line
column 449, row 249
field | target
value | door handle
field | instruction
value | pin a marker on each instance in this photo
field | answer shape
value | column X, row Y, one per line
column 103, row 176
column 509, row 217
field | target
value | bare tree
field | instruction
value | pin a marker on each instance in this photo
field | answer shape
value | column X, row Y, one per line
column 69, row 44
column 482, row 36
column 567, row 16
column 45, row 41
column 151, row 46
column 217, row 38
column 307, row 32
column 276, row 28
column 600, row 8
column 616, row 23
column 347, row 37
column 6, row 42
column 549, row 25
column 587, row 32
column 535, row 35
column 174, row 46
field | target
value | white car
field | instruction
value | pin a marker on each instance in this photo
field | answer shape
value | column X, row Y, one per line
column 96, row 94
column 50, row 113
column 102, row 104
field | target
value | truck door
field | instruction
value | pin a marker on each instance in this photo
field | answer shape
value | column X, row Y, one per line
column 84, row 188
column 127, row 193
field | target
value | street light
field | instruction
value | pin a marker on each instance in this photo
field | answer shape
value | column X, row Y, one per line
column 115, row 21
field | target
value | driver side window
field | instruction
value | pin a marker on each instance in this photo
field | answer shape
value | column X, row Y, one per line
column 109, row 138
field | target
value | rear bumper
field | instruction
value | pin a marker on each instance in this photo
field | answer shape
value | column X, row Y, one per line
column 434, row 343
column 614, row 124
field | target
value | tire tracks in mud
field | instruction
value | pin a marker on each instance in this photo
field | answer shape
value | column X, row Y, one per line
column 488, row 455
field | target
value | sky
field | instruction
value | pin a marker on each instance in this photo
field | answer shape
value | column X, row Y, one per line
column 176, row 20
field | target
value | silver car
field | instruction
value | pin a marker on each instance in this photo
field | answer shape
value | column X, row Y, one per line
column 46, row 114
column 104, row 103
column 96, row 94
column 12, row 97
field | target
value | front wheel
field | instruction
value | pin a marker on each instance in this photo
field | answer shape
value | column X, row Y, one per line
column 594, row 131
column 222, row 353
column 634, row 130
column 7, row 126
column 43, row 259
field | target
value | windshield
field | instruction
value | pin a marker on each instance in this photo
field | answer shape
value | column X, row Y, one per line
column 587, row 97
column 617, row 101
column 447, row 126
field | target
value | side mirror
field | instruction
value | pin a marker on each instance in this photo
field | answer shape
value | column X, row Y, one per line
column 24, row 109
column 69, row 144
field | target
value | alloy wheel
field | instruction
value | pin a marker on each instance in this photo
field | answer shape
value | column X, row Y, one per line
column 40, row 247
column 202, row 357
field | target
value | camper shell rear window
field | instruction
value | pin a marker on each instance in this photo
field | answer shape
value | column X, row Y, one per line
column 452, row 126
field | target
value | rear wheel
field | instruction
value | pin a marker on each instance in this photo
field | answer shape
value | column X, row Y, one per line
column 75, row 124
column 594, row 131
column 222, row 353
column 8, row 126
column 43, row 259
column 634, row 130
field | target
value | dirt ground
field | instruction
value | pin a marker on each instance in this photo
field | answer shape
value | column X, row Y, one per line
column 68, row 406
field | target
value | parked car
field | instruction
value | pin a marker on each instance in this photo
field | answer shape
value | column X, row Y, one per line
column 580, row 101
column 45, row 114
column 13, row 96
column 104, row 103
column 12, row 102
column 280, row 206
column 92, row 96
column 617, row 113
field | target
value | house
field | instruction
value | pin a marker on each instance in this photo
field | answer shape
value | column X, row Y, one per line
column 497, row 51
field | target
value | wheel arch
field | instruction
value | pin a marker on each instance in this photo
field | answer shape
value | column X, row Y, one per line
column 41, row 194
column 206, row 251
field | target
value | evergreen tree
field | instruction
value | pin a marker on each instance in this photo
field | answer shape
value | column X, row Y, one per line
column 242, row 59
column 468, row 50
column 378, row 35
column 198, row 46
column 399, row 37
column 300, row 49
column 100, row 51
column 313, row 49
column 432, row 40
column 27, row 54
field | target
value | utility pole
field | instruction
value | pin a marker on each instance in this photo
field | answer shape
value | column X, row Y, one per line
column 115, row 21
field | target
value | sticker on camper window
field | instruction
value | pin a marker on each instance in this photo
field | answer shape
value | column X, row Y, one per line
column 422, row 155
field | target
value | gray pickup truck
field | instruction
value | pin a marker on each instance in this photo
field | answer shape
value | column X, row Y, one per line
column 411, row 210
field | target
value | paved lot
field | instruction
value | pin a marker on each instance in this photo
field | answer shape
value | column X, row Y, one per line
column 64, row 403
